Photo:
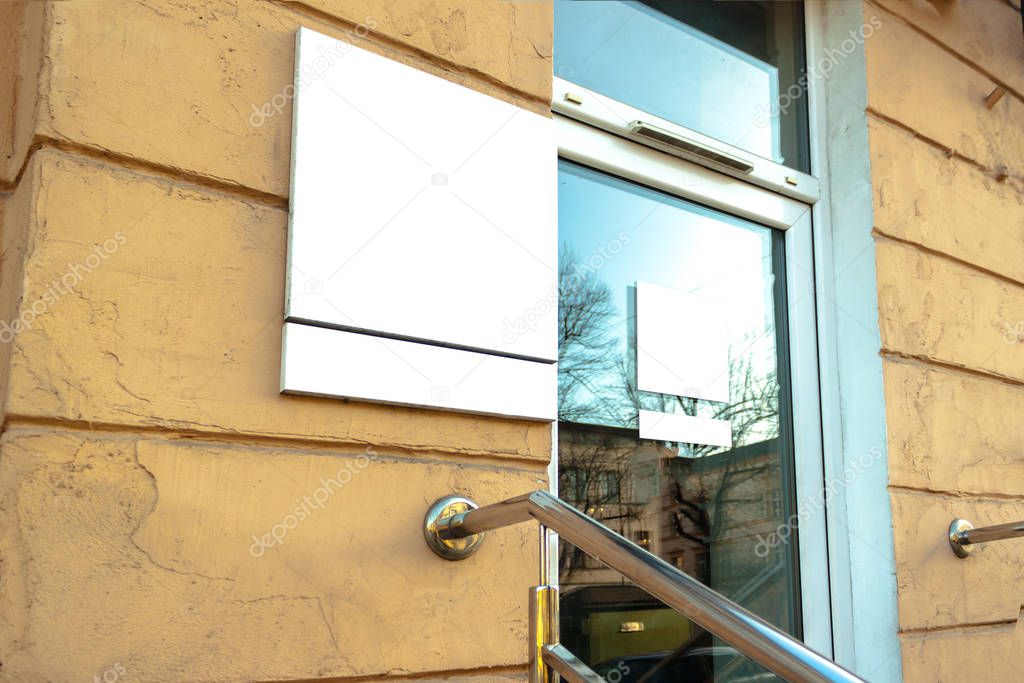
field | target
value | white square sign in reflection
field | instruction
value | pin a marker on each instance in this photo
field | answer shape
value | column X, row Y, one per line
column 682, row 344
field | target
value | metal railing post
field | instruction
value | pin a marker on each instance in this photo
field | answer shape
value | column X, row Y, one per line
column 543, row 615
column 543, row 631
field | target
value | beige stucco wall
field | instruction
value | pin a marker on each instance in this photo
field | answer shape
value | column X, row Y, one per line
column 145, row 442
column 948, row 184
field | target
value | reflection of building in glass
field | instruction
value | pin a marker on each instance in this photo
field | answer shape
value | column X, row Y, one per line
column 707, row 515
column 607, row 473
column 717, row 511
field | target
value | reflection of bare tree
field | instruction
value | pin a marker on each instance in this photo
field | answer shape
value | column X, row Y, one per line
column 707, row 492
column 752, row 411
column 586, row 345
column 596, row 384
column 593, row 475
column 694, row 510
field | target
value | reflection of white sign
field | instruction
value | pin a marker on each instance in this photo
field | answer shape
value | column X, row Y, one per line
column 682, row 344
column 685, row 429
column 682, row 349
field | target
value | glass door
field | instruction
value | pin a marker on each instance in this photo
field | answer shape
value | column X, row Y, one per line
column 687, row 392
column 674, row 418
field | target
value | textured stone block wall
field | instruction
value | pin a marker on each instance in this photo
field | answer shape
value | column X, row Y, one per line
column 948, row 182
column 146, row 453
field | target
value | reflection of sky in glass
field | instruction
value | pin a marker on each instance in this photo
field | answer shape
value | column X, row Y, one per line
column 628, row 233
column 702, row 508
column 637, row 55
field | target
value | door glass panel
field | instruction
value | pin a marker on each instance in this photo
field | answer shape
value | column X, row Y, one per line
column 730, row 70
column 645, row 277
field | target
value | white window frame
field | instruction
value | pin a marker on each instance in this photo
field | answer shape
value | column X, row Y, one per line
column 862, row 566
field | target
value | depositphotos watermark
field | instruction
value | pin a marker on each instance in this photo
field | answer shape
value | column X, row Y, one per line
column 782, row 534
column 819, row 70
column 111, row 674
column 324, row 60
column 615, row 675
column 61, row 287
column 306, row 505
column 530, row 319
column 1013, row 334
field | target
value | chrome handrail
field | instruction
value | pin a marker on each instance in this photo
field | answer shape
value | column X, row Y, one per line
column 697, row 632
column 454, row 527
column 569, row 666
column 963, row 534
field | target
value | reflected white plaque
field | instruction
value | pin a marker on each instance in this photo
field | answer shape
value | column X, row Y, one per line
column 705, row 431
column 682, row 344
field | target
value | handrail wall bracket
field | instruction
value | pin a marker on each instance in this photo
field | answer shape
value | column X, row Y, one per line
column 956, row 530
column 963, row 534
column 436, row 528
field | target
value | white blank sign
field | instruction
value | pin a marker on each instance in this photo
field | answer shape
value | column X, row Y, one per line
column 422, row 247
column 420, row 209
column 322, row 362
column 682, row 344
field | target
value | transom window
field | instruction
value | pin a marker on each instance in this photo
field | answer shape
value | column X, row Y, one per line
column 729, row 70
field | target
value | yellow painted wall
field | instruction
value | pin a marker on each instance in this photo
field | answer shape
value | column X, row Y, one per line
column 145, row 443
column 948, row 184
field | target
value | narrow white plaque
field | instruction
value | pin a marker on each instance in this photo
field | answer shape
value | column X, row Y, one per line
column 324, row 362
column 682, row 344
